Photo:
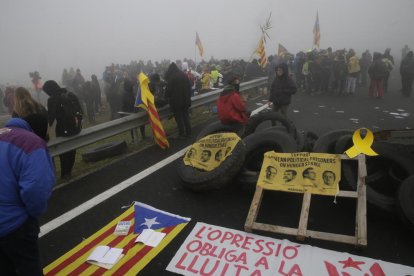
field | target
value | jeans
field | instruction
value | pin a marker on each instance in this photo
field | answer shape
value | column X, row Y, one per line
column 19, row 251
column 182, row 118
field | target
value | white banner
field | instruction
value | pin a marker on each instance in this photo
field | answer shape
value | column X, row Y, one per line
column 214, row 250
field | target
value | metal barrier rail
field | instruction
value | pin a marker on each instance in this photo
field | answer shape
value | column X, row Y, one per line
column 96, row 133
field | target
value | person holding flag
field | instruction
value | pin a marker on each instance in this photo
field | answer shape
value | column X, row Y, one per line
column 178, row 94
column 145, row 99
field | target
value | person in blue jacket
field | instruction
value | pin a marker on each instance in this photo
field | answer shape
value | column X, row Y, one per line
column 27, row 177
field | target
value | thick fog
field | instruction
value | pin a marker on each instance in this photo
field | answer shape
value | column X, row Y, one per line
column 50, row 35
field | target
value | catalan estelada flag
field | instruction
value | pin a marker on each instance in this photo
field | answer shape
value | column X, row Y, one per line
column 261, row 51
column 281, row 51
column 316, row 32
column 199, row 45
column 145, row 99
column 136, row 255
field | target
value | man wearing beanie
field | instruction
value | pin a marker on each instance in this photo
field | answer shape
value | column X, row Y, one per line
column 59, row 100
column 27, row 178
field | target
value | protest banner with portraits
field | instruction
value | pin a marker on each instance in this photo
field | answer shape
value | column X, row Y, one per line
column 300, row 172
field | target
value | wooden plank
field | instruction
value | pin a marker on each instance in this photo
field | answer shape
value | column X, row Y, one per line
column 332, row 237
column 361, row 215
column 304, row 215
column 254, row 209
column 275, row 228
column 350, row 194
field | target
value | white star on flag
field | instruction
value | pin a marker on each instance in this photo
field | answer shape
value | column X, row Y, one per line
column 150, row 222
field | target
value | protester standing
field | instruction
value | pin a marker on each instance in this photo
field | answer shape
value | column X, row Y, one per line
column 58, row 98
column 25, row 186
column 377, row 72
column 283, row 87
column 178, row 93
column 407, row 74
column 353, row 71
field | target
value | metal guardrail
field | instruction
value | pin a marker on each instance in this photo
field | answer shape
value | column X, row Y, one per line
column 96, row 133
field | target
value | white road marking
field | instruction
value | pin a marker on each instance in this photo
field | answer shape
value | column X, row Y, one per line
column 59, row 221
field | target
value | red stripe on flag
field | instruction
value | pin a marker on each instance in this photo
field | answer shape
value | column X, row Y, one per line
column 87, row 247
column 85, row 265
column 140, row 254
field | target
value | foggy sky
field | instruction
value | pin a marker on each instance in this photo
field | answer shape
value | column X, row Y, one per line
column 50, row 35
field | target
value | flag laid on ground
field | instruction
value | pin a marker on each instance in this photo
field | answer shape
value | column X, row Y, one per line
column 281, row 51
column 199, row 45
column 261, row 51
column 147, row 217
column 145, row 99
column 316, row 32
column 137, row 255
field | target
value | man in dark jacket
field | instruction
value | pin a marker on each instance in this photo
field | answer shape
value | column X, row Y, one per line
column 27, row 178
column 407, row 73
column 63, row 129
column 283, row 87
column 231, row 107
column 178, row 93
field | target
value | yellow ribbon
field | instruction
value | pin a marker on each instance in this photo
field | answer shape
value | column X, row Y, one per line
column 361, row 145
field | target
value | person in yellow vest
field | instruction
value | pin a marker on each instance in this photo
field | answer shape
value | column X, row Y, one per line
column 205, row 81
column 353, row 72
column 215, row 77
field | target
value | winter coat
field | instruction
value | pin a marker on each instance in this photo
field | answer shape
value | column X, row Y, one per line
column 282, row 88
column 407, row 65
column 377, row 70
column 178, row 90
column 27, row 175
column 230, row 106
column 353, row 66
column 55, row 110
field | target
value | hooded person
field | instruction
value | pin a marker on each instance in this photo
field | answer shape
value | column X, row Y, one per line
column 57, row 102
column 282, row 89
column 178, row 93
column 407, row 74
column 231, row 107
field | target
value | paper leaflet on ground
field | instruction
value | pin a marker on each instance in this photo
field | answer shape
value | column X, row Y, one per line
column 214, row 250
column 105, row 256
column 137, row 255
column 150, row 237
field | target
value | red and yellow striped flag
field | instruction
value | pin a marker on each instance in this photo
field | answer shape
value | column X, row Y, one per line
column 137, row 255
column 145, row 99
column 199, row 45
column 260, row 50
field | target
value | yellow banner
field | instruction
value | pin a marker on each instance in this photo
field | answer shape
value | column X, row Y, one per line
column 316, row 173
column 209, row 152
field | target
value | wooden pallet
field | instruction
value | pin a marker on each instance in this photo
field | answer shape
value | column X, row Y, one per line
column 302, row 232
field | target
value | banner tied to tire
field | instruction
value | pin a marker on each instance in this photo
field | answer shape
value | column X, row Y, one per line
column 210, row 151
column 299, row 172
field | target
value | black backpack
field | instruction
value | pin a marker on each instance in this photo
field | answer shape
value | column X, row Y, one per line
column 71, row 115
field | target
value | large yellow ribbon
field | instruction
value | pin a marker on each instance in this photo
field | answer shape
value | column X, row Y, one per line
column 361, row 145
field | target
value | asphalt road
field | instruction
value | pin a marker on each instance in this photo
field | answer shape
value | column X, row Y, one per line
column 388, row 238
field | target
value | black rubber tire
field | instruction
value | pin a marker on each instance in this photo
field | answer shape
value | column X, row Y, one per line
column 104, row 151
column 256, row 145
column 216, row 127
column 405, row 202
column 198, row 180
column 257, row 119
column 310, row 139
column 343, row 143
column 326, row 143
column 381, row 191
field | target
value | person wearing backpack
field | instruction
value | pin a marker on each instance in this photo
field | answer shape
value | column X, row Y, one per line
column 65, row 108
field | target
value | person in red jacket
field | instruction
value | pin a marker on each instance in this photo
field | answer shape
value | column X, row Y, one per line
column 231, row 107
